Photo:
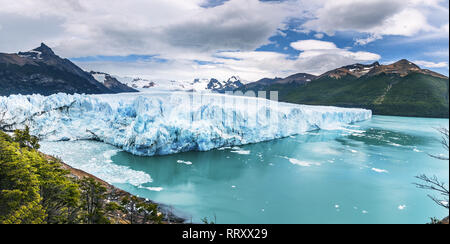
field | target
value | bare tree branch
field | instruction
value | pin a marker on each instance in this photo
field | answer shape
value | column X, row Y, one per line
column 444, row 142
column 433, row 183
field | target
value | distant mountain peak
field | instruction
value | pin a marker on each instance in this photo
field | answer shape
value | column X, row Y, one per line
column 406, row 63
column 402, row 68
column 44, row 49
column 401, row 89
column 111, row 82
column 39, row 53
column 234, row 78
column 403, row 61
column 231, row 84
column 41, row 71
column 356, row 70
column 137, row 82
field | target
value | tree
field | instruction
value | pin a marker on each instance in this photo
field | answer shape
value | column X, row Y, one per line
column 433, row 183
column 445, row 141
column 130, row 208
column 24, row 139
column 149, row 212
column 93, row 198
column 60, row 195
column 139, row 211
column 19, row 186
column 35, row 189
column 54, row 193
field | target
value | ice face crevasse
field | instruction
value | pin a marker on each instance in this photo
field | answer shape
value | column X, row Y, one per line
column 149, row 125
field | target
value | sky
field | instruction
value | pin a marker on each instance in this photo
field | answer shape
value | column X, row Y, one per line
column 253, row 39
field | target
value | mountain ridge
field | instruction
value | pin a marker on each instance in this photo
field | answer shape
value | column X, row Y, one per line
column 233, row 83
column 401, row 89
column 41, row 71
column 111, row 82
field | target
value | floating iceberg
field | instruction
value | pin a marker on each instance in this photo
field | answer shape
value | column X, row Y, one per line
column 161, row 124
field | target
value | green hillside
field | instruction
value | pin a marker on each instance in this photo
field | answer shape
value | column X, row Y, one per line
column 416, row 94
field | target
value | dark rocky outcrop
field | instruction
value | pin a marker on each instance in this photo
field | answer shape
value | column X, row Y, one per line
column 41, row 71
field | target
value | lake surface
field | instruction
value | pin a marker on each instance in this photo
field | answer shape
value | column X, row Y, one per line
column 361, row 174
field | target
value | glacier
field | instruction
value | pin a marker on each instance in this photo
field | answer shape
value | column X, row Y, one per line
column 162, row 123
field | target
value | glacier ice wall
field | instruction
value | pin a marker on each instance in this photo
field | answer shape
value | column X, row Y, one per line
column 161, row 124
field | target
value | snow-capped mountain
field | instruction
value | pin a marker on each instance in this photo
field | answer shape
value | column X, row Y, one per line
column 110, row 82
column 231, row 84
column 356, row 70
column 137, row 82
column 400, row 89
column 41, row 71
column 198, row 85
column 172, row 85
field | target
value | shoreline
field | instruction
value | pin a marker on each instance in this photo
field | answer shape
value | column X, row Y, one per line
column 168, row 213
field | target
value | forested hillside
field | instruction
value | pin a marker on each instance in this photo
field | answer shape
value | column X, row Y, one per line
column 413, row 95
column 400, row 89
column 36, row 189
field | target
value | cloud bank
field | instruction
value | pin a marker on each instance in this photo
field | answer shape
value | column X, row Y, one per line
column 201, row 38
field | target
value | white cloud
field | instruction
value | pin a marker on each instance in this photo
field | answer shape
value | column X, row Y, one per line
column 445, row 28
column 351, row 15
column 405, row 23
column 314, row 48
column 306, row 45
column 319, row 35
column 105, row 27
column 234, row 25
column 369, row 39
column 441, row 53
column 429, row 64
column 378, row 17
column 249, row 65
column 179, row 31
column 317, row 57
column 183, row 31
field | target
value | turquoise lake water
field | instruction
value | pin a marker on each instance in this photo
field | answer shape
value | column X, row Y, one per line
column 361, row 174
